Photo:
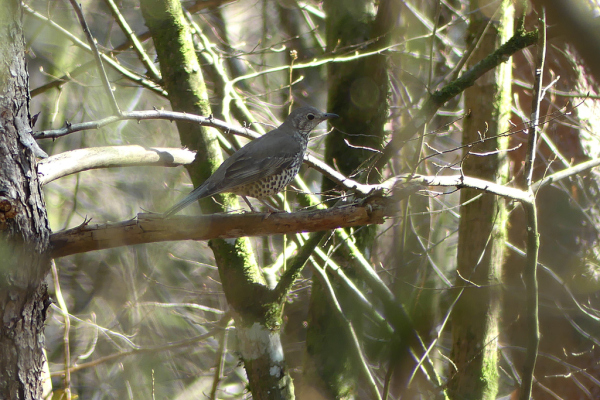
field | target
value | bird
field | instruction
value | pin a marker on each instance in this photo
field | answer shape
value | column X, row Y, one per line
column 264, row 166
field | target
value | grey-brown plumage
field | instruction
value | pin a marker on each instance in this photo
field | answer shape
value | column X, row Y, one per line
column 266, row 165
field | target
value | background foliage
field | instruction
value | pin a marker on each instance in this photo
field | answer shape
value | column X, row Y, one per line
column 139, row 305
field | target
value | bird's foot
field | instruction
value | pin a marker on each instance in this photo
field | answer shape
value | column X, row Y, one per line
column 270, row 209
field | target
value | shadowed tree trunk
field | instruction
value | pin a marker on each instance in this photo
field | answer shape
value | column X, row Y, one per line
column 358, row 94
column 257, row 314
column 24, row 231
column 482, row 229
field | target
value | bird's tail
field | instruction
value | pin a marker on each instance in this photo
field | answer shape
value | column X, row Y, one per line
column 198, row 193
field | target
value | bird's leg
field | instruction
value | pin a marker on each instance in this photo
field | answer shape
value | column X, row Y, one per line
column 249, row 205
column 270, row 208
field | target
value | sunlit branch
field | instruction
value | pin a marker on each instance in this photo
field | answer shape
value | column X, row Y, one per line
column 149, row 228
column 135, row 43
column 114, row 64
column 74, row 161
column 533, row 239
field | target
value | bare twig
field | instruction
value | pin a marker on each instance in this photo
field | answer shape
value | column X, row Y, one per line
column 144, row 115
column 295, row 267
column 519, row 41
column 135, row 43
column 468, row 52
column 350, row 332
column 359, row 298
column 560, row 281
column 199, row 5
column 219, row 364
column 114, row 64
column 565, row 173
column 221, row 324
column 533, row 240
column 96, row 53
column 63, row 306
column 230, row 92
column 420, row 146
column 436, row 19
column 579, row 24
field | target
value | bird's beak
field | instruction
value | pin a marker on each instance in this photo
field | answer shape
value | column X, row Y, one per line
column 330, row 116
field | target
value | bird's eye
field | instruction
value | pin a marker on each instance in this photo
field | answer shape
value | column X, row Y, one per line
column 310, row 116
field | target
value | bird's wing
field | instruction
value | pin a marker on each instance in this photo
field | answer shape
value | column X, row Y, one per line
column 265, row 156
column 248, row 170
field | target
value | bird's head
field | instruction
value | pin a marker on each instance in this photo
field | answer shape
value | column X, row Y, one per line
column 305, row 119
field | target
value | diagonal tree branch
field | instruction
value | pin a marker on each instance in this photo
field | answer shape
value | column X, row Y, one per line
column 97, row 58
column 519, row 41
column 148, row 228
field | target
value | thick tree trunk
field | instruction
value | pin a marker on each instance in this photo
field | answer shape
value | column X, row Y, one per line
column 482, row 229
column 358, row 94
column 24, row 231
column 257, row 313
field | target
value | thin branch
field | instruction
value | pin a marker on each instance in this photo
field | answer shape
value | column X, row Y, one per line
column 230, row 91
column 313, row 28
column 135, row 43
column 297, row 264
column 565, row 173
column 219, row 364
column 533, row 239
column 222, row 324
column 532, row 316
column 63, row 306
column 192, row 8
column 436, row 19
column 438, row 335
column 114, row 64
column 460, row 182
column 193, row 306
column 357, row 296
column 395, row 312
column 350, row 332
column 420, row 146
column 519, row 41
column 560, row 281
column 570, row 368
column 534, row 129
column 92, row 43
column 59, row 82
column 144, row 115
column 453, row 74
column 575, row 20
column 429, row 26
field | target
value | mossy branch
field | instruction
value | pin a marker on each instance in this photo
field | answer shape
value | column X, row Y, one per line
column 519, row 41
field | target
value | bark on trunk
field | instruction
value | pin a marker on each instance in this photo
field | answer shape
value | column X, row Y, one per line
column 257, row 313
column 24, row 231
column 482, row 229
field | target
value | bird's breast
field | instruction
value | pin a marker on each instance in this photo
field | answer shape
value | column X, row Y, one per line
column 269, row 185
